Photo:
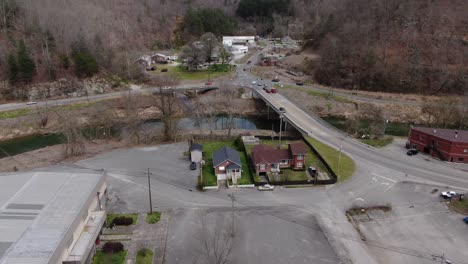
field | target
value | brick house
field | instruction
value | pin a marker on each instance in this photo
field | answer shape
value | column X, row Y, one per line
column 227, row 164
column 268, row 159
column 445, row 144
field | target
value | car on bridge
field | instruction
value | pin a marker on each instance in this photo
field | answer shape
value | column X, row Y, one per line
column 282, row 110
column 273, row 90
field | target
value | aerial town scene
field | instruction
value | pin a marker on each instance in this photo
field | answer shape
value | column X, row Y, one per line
column 233, row 131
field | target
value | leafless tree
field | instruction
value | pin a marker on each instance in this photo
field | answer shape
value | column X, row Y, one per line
column 225, row 55
column 167, row 103
column 228, row 97
column 210, row 44
column 194, row 54
column 71, row 129
column 216, row 242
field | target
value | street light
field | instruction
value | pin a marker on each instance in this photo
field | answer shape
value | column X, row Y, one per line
column 281, row 126
column 339, row 156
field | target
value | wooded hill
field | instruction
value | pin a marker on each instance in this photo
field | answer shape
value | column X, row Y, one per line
column 389, row 45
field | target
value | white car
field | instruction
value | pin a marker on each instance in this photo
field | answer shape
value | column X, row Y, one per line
column 254, row 82
column 31, row 103
column 266, row 187
column 448, row 194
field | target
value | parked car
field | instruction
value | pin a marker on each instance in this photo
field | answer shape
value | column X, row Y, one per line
column 465, row 219
column 259, row 84
column 449, row 194
column 266, row 187
column 275, row 80
column 273, row 90
column 282, row 110
column 300, row 83
column 312, row 171
column 31, row 103
column 412, row 152
column 267, row 90
column 193, row 166
column 254, row 82
column 248, row 62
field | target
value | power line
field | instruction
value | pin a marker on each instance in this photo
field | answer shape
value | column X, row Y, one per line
column 298, row 221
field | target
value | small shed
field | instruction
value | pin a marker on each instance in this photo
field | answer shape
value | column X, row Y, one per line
column 196, row 152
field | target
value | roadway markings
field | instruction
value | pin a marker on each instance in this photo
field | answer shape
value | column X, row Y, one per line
column 390, row 185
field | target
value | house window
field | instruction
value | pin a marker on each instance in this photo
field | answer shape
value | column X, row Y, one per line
column 284, row 161
column 222, row 168
column 465, row 151
column 262, row 166
column 460, row 159
column 300, row 157
column 299, row 165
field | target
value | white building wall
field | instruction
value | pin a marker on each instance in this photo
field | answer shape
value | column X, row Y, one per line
column 196, row 156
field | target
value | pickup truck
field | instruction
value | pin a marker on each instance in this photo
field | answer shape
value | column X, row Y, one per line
column 449, row 194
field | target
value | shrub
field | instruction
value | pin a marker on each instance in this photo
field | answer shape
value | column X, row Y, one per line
column 122, row 220
column 112, row 247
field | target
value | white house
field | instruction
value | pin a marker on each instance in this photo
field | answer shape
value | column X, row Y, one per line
column 238, row 40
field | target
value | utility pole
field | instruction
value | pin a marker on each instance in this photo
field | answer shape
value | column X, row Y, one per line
column 149, row 192
column 339, row 156
column 281, row 126
column 233, row 198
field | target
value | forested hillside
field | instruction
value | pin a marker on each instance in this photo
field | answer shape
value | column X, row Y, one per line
column 391, row 45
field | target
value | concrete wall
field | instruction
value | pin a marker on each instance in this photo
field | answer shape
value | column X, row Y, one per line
column 91, row 204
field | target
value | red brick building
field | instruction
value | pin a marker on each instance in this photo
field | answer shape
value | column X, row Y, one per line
column 445, row 144
column 268, row 159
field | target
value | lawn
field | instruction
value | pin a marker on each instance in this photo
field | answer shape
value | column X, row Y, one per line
column 311, row 160
column 182, row 73
column 460, row 206
column 325, row 95
column 109, row 258
column 380, row 142
column 343, row 167
column 153, row 218
column 209, row 178
column 110, row 217
column 15, row 113
column 144, row 256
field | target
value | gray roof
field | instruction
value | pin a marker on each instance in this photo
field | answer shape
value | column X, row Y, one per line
column 196, row 146
column 38, row 211
column 233, row 166
column 226, row 153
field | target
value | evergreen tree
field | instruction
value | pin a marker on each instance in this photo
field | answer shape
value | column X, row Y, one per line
column 85, row 63
column 26, row 65
column 12, row 69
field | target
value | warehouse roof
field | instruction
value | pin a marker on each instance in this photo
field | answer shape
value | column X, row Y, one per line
column 37, row 209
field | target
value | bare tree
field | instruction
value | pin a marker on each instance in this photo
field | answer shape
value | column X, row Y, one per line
column 225, row 55
column 228, row 97
column 74, row 140
column 167, row 103
column 216, row 242
column 210, row 44
column 194, row 54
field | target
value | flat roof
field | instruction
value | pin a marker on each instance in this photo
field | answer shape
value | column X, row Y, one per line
column 37, row 210
column 447, row 134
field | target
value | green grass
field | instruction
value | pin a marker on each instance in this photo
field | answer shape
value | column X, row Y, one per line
column 153, row 218
column 380, row 142
column 109, row 258
column 144, row 256
column 110, row 217
column 209, row 177
column 181, row 73
column 325, row 95
column 460, row 206
column 15, row 113
column 76, row 106
column 297, row 175
column 344, row 168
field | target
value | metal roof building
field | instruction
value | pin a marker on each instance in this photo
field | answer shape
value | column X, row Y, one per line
column 51, row 217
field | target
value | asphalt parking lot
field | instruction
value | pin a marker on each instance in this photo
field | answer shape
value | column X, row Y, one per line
column 418, row 229
column 259, row 237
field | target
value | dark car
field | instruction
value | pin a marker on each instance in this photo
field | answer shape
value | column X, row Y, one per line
column 282, row 110
column 412, row 152
column 312, row 171
column 273, row 90
column 275, row 80
column 465, row 219
column 193, row 166
column 300, row 83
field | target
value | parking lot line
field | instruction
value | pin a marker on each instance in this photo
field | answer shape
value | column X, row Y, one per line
column 388, row 179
